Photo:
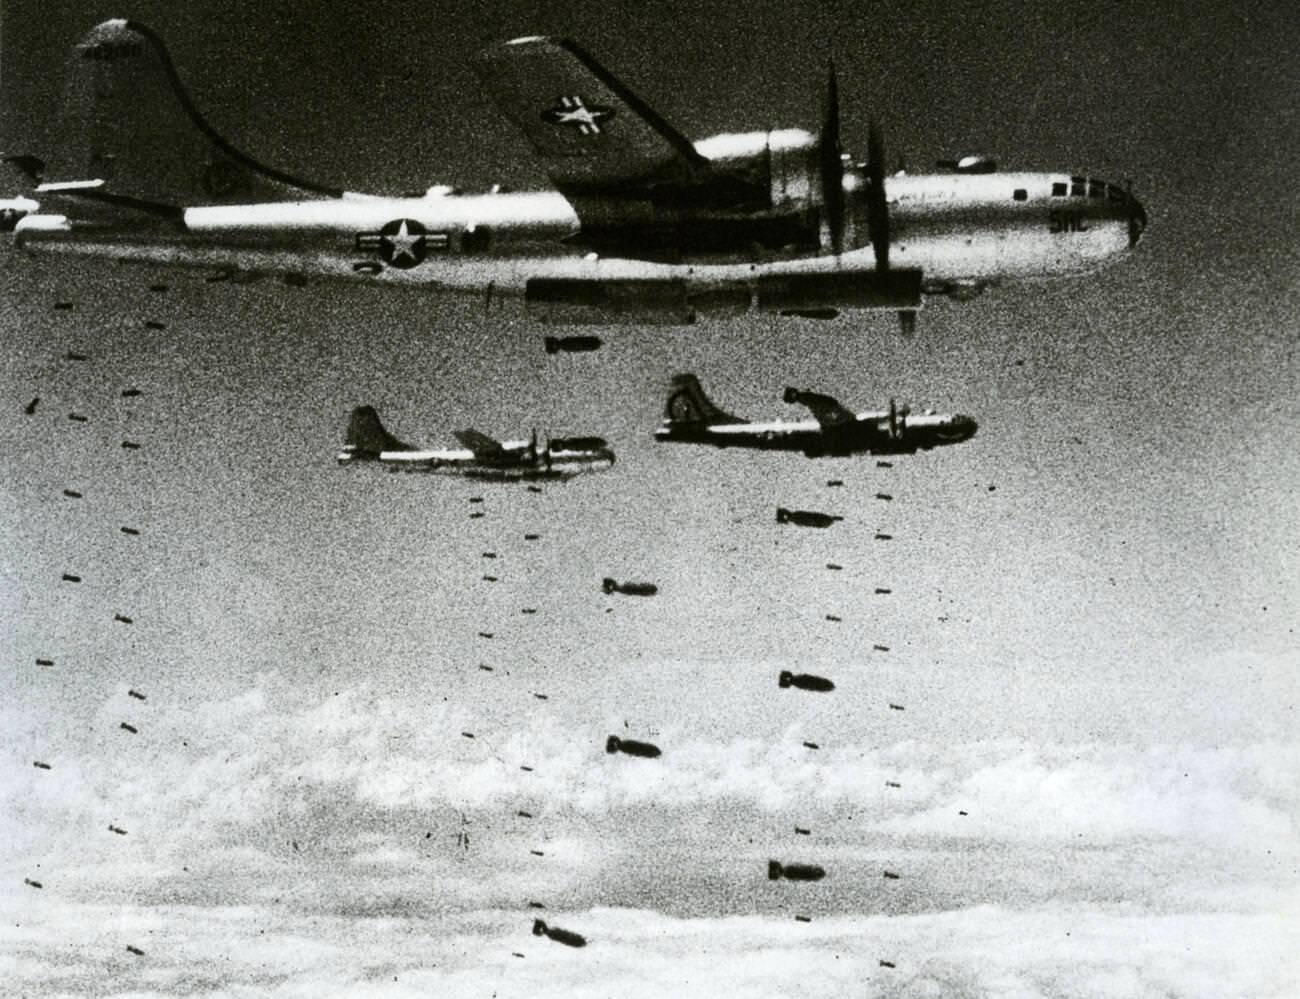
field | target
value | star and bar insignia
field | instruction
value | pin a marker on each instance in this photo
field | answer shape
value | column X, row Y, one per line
column 586, row 118
column 401, row 243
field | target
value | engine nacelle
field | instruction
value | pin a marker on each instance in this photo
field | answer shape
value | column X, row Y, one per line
column 784, row 161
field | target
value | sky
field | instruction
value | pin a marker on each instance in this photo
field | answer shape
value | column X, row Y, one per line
column 1090, row 627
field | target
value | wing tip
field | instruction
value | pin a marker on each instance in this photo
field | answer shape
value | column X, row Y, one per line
column 527, row 44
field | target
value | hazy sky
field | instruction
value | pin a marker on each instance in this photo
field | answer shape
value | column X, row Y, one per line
column 1091, row 624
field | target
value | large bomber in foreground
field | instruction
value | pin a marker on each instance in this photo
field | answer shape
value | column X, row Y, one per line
column 643, row 226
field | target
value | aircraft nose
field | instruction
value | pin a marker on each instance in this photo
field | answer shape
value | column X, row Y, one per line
column 969, row 426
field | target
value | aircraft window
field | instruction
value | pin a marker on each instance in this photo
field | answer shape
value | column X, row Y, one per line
column 1020, row 194
column 1078, row 187
column 1096, row 189
column 1059, row 189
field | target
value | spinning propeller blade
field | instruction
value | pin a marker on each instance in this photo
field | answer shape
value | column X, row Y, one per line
column 832, row 166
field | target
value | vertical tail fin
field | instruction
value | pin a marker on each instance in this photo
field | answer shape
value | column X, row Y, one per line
column 132, row 125
column 366, row 436
column 687, row 403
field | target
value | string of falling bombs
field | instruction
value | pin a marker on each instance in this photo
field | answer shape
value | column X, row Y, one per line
column 127, row 398
column 614, row 744
column 800, row 871
column 881, row 589
column 76, row 416
column 791, row 870
column 491, row 557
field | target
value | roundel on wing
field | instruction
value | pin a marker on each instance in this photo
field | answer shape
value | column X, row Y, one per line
column 402, row 243
column 681, row 408
column 574, row 112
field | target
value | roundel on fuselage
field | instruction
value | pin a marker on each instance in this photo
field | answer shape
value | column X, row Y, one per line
column 402, row 243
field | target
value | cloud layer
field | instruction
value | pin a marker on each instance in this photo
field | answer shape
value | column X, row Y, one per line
column 1055, row 952
column 362, row 784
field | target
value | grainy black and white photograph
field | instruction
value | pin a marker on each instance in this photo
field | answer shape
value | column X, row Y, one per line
column 649, row 500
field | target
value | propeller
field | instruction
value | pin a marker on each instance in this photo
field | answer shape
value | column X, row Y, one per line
column 877, row 206
column 832, row 166
column 532, row 446
column 897, row 420
column 1137, row 216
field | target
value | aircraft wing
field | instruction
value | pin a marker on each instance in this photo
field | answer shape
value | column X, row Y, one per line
column 827, row 411
column 593, row 134
column 482, row 445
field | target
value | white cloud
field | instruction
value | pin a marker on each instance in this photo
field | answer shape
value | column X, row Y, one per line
column 1050, row 951
column 1116, row 850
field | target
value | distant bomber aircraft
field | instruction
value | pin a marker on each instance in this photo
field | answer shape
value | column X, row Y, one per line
column 691, row 417
column 481, row 457
column 644, row 226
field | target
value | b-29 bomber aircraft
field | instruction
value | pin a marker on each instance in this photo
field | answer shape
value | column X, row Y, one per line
column 644, row 226
column 691, row 417
column 481, row 457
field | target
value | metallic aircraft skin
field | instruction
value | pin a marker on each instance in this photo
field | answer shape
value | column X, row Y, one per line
column 955, row 229
column 779, row 221
column 691, row 418
column 481, row 458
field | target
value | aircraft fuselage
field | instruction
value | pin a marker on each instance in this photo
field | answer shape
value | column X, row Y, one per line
column 516, row 462
column 958, row 230
column 643, row 226
column 953, row 228
column 869, row 433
